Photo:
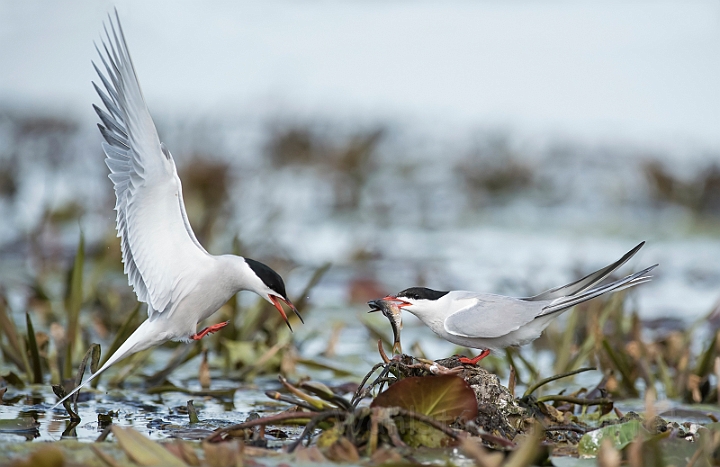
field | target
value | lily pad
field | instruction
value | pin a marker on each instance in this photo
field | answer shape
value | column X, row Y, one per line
column 444, row 398
column 621, row 435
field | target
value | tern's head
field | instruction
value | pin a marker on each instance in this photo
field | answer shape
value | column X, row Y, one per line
column 271, row 287
column 418, row 300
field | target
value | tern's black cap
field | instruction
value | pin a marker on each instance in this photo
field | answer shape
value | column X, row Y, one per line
column 268, row 276
column 421, row 293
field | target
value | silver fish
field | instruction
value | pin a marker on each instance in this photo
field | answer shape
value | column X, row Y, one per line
column 393, row 313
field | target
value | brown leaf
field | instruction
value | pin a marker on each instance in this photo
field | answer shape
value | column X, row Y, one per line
column 227, row 454
column 342, row 450
column 204, row 372
column 105, row 457
column 143, row 450
column 184, row 451
column 444, row 398
column 386, row 456
column 309, row 455
column 608, row 456
column 47, row 456
column 473, row 448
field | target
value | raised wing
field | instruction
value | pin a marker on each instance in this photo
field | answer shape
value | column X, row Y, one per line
column 159, row 247
column 489, row 315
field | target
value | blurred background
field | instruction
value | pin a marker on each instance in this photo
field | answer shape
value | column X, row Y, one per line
column 494, row 146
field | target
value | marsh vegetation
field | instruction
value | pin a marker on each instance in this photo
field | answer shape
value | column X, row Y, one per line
column 355, row 213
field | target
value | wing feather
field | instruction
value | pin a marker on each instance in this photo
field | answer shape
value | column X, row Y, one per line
column 157, row 242
column 480, row 317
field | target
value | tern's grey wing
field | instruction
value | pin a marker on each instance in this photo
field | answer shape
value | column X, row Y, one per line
column 491, row 316
column 158, row 244
column 587, row 281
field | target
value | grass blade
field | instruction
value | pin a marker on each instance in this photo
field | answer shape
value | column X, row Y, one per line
column 123, row 333
column 73, row 302
column 34, row 352
column 621, row 365
column 301, row 302
column 705, row 362
column 15, row 352
column 93, row 353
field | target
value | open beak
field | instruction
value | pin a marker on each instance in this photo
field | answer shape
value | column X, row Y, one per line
column 276, row 303
column 375, row 305
column 398, row 302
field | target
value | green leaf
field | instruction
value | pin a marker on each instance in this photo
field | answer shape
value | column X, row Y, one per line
column 621, row 435
column 416, row 434
column 144, row 451
column 444, row 398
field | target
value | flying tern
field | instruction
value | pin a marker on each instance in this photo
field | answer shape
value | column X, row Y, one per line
column 493, row 322
column 167, row 267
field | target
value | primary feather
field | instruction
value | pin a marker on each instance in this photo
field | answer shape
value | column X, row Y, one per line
column 158, row 244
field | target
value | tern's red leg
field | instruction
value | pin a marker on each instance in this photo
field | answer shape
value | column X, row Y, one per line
column 209, row 330
column 473, row 361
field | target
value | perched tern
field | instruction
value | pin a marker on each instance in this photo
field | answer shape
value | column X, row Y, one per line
column 167, row 267
column 493, row 322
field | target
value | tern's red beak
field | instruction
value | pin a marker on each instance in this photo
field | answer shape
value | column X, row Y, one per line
column 399, row 302
column 276, row 303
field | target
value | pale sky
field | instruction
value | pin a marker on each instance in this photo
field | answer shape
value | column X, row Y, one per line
column 642, row 71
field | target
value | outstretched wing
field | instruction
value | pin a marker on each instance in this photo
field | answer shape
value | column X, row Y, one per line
column 488, row 315
column 159, row 247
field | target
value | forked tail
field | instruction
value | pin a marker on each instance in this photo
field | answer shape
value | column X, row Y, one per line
column 144, row 337
column 563, row 303
column 586, row 282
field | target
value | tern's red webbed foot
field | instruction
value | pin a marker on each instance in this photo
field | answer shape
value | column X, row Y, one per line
column 209, row 330
column 473, row 361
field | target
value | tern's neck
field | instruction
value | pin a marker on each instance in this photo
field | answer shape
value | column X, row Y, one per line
column 237, row 274
column 428, row 313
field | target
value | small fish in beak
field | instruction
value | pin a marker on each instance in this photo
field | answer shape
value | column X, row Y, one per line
column 393, row 313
